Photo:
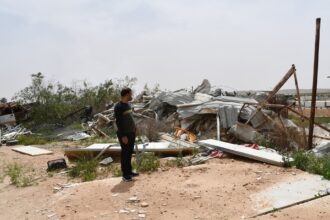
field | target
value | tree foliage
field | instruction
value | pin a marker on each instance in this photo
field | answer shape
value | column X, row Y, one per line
column 53, row 101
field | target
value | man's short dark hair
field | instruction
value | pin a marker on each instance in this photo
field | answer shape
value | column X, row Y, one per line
column 125, row 91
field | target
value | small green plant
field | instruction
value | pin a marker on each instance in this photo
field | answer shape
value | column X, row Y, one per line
column 170, row 163
column 97, row 139
column 312, row 164
column 17, row 175
column 265, row 141
column 32, row 140
column 195, row 151
column 116, row 170
column 2, row 177
column 26, row 181
column 14, row 171
column 286, row 161
column 75, row 126
column 50, row 173
column 148, row 162
column 85, row 168
column 113, row 169
column 305, row 123
column 179, row 160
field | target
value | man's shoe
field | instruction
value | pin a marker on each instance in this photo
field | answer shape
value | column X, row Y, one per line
column 134, row 174
column 127, row 179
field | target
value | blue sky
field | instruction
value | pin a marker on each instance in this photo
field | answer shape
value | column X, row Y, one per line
column 238, row 44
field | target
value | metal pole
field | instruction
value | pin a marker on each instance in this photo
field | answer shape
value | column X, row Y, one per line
column 316, row 63
column 218, row 127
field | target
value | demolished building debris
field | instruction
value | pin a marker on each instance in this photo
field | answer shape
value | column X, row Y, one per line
column 259, row 155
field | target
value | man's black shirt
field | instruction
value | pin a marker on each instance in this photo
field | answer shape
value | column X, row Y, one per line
column 124, row 118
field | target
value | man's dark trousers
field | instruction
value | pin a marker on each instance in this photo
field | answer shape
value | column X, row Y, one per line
column 126, row 153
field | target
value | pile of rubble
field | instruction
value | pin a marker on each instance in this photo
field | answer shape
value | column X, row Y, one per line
column 191, row 116
column 8, row 135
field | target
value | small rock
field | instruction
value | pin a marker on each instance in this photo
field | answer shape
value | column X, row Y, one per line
column 197, row 197
column 133, row 199
column 115, row 195
column 51, row 215
column 142, row 215
column 124, row 211
column 144, row 204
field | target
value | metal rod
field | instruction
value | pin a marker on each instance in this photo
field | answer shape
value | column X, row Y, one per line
column 218, row 126
column 305, row 117
column 299, row 107
column 315, row 72
column 279, row 85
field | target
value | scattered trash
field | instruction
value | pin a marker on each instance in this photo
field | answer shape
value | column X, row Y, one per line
column 126, row 211
column 133, row 199
column 78, row 136
column 9, row 134
column 106, row 161
column 56, row 164
column 206, row 156
column 322, row 149
column 11, row 142
column 263, row 156
column 165, row 148
column 51, row 215
column 142, row 215
column 32, row 151
column 60, row 187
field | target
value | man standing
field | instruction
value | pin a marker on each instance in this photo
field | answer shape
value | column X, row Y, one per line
column 126, row 132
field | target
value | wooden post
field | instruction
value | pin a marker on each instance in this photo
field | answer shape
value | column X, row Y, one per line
column 314, row 89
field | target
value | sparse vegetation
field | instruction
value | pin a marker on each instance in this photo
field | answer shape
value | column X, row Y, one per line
column 195, row 151
column 98, row 139
column 52, row 101
column 305, row 123
column 116, row 170
column 85, row 168
column 179, row 161
column 32, row 140
column 18, row 175
column 75, row 126
column 265, row 141
column 310, row 163
column 148, row 162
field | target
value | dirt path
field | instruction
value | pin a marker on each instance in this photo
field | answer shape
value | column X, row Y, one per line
column 220, row 189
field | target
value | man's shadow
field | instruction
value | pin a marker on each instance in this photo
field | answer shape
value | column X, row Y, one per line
column 122, row 187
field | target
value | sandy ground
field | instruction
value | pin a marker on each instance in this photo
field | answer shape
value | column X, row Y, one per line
column 220, row 189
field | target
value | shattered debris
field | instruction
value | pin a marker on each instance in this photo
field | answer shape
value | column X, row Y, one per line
column 260, row 155
column 32, row 151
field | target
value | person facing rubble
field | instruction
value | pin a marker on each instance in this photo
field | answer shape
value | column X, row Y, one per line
column 126, row 132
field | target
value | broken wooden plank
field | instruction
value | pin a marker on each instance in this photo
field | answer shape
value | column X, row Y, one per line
column 32, row 151
column 259, row 155
column 159, row 148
